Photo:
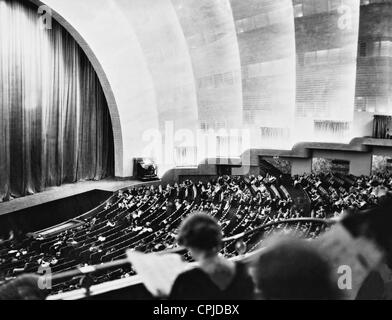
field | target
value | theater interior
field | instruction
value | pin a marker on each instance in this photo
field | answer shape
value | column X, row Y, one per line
column 120, row 120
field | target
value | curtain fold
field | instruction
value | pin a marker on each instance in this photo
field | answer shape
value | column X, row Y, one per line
column 382, row 125
column 55, row 125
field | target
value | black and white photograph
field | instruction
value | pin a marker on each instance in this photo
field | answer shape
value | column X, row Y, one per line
column 195, row 155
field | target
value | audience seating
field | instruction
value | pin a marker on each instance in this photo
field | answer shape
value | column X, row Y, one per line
column 147, row 219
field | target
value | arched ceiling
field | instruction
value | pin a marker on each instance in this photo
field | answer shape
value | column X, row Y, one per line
column 200, row 64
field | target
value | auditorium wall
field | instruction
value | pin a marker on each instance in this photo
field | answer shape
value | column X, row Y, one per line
column 363, row 124
column 374, row 75
column 326, row 34
column 266, row 41
column 360, row 163
column 210, row 58
column 211, row 38
column 300, row 166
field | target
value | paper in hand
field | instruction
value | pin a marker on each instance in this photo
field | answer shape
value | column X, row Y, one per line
column 157, row 271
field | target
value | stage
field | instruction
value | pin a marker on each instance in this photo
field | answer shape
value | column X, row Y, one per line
column 65, row 191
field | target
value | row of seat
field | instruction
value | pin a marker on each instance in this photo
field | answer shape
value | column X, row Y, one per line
column 147, row 218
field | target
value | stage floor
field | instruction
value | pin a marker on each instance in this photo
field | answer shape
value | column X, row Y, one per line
column 66, row 190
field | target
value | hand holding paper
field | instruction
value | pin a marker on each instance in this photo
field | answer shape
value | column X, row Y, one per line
column 158, row 271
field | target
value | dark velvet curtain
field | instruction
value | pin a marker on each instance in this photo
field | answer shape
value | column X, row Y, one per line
column 380, row 126
column 55, row 126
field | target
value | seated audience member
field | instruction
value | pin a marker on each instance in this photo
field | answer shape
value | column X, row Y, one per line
column 293, row 269
column 25, row 287
column 215, row 277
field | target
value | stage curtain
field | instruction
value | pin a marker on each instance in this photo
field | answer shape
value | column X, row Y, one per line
column 380, row 126
column 55, row 126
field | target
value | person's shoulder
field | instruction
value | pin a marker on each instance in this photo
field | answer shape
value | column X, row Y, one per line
column 242, row 272
column 190, row 274
column 185, row 280
column 242, row 282
column 240, row 265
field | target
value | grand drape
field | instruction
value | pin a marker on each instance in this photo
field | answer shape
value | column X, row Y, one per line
column 380, row 126
column 54, row 121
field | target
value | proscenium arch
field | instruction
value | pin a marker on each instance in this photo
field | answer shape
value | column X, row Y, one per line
column 105, row 84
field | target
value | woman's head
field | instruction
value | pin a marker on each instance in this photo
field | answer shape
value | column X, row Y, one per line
column 201, row 234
